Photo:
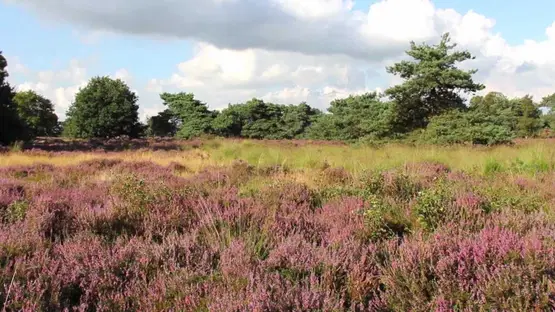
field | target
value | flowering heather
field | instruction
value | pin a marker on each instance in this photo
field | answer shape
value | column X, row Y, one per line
column 117, row 233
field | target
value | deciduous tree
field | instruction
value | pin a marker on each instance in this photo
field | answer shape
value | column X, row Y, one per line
column 37, row 112
column 105, row 108
column 12, row 128
column 194, row 116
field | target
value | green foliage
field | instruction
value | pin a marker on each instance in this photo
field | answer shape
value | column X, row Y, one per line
column 493, row 166
column 432, row 84
column 105, row 108
column 38, row 113
column 548, row 119
column 548, row 101
column 164, row 124
column 353, row 118
column 193, row 116
column 15, row 211
column 384, row 221
column 431, row 207
column 520, row 115
column 456, row 127
column 134, row 195
column 229, row 122
column 260, row 120
column 12, row 128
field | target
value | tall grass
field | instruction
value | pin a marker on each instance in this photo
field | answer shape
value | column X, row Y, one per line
column 533, row 156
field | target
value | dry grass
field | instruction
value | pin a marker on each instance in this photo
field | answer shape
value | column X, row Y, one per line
column 307, row 156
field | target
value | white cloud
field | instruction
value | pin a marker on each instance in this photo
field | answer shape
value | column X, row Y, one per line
column 315, row 9
column 291, row 51
column 308, row 26
column 550, row 31
column 59, row 86
column 401, row 20
column 289, row 95
column 15, row 66
column 123, row 75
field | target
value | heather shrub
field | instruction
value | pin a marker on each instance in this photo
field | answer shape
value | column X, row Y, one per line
column 177, row 167
column 237, row 260
column 12, row 201
column 54, row 216
column 133, row 195
column 426, row 173
column 495, row 269
column 273, row 170
column 120, row 234
column 399, row 185
column 352, row 269
column 272, row 292
column 507, row 196
column 373, row 181
column 95, row 165
column 335, row 176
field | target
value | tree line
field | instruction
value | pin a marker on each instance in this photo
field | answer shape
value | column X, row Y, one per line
column 429, row 106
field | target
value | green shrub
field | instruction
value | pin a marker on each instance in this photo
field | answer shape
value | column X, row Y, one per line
column 431, row 207
column 384, row 221
column 17, row 210
column 133, row 195
column 456, row 127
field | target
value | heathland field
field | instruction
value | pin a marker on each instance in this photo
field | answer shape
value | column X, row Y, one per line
column 242, row 225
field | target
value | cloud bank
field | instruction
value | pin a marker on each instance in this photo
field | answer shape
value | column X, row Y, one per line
column 311, row 50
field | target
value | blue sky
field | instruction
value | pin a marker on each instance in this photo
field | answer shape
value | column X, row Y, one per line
column 206, row 55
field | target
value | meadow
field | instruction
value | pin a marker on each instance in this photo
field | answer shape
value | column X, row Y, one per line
column 245, row 225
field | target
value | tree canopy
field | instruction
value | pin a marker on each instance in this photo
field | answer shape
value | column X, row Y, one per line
column 165, row 124
column 194, row 116
column 433, row 83
column 38, row 113
column 12, row 128
column 355, row 117
column 105, row 108
column 260, row 120
column 429, row 105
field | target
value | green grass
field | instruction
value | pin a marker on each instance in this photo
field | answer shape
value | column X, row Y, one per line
column 537, row 156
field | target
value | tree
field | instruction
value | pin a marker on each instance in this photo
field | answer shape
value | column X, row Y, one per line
column 433, row 84
column 12, row 128
column 105, row 108
column 548, row 101
column 295, row 119
column 520, row 115
column 261, row 120
column 37, row 112
column 353, row 118
column 476, row 127
column 548, row 104
column 194, row 116
column 528, row 116
column 230, row 121
column 164, row 124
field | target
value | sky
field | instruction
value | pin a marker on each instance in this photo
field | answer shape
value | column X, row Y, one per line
column 285, row 51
